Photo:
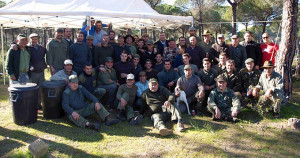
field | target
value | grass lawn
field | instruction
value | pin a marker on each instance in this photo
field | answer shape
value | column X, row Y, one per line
column 253, row 136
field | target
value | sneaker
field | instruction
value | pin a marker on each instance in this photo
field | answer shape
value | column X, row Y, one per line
column 180, row 126
column 110, row 121
column 121, row 115
column 136, row 120
column 165, row 131
column 94, row 126
column 276, row 115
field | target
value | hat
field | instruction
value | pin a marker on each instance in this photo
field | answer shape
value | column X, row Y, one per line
column 206, row 33
column 120, row 35
column 220, row 78
column 249, row 60
column 187, row 67
column 89, row 37
column 136, row 56
column 267, row 64
column 109, row 59
column 142, row 73
column 220, row 36
column 192, row 28
column 68, row 61
column 149, row 42
column 153, row 80
column 21, row 36
column 33, row 35
column 234, row 36
column 130, row 77
column 59, row 30
column 92, row 18
column 73, row 78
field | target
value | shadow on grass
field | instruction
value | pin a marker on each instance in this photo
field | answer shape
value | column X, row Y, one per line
column 7, row 145
column 199, row 124
column 248, row 115
column 25, row 137
column 290, row 110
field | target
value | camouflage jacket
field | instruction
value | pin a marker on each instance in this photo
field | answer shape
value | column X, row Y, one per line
column 249, row 81
column 233, row 81
column 223, row 100
column 274, row 82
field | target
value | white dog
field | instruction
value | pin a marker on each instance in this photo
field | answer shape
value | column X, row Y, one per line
column 182, row 97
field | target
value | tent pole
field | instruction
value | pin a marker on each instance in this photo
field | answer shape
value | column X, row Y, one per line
column 88, row 23
column 193, row 22
column 2, row 45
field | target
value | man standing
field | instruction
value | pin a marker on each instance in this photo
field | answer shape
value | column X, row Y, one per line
column 238, row 53
column 220, row 47
column 101, row 53
column 126, row 95
column 123, row 68
column 150, row 72
column 87, row 28
column 149, row 54
column 111, row 35
column 58, row 52
column 67, row 36
column 162, row 43
column 186, row 61
column 168, row 77
column 252, row 49
column 161, row 104
column 89, row 42
column 268, row 49
column 88, row 80
column 221, row 66
column 80, row 54
column 65, row 73
column 98, row 34
column 271, row 84
column 73, row 103
column 192, row 32
column 18, row 61
column 196, row 52
column 119, row 48
column 108, row 81
column 233, row 79
column 193, row 88
column 171, row 52
column 222, row 102
column 206, row 44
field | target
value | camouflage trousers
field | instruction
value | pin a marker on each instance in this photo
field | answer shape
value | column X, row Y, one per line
column 264, row 105
column 172, row 112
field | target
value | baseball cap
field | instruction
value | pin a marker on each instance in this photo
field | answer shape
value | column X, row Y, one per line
column 89, row 37
column 130, row 77
column 73, row 78
column 33, row 35
column 153, row 80
column 68, row 61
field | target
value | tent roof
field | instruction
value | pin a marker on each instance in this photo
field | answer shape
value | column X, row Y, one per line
column 71, row 13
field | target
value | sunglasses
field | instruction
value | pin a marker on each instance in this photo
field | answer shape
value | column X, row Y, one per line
column 265, row 37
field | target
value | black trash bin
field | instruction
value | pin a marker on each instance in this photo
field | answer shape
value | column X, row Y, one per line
column 24, row 102
column 52, row 92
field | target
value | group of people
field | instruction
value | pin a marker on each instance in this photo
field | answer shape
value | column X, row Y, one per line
column 136, row 76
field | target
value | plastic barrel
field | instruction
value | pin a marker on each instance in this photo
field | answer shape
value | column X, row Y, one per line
column 24, row 100
column 52, row 92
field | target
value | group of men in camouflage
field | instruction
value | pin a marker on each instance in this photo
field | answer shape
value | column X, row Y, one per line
column 136, row 76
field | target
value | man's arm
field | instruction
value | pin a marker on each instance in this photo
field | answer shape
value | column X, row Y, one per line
column 66, row 102
column 9, row 64
column 88, row 95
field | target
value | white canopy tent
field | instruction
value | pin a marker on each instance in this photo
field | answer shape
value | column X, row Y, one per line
column 71, row 13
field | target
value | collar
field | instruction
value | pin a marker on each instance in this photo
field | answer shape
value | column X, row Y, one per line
column 226, row 90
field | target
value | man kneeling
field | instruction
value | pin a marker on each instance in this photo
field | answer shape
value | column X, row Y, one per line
column 222, row 102
column 76, row 108
column 161, row 103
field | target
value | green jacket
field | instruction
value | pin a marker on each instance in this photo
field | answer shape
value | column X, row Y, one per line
column 233, row 81
column 126, row 93
column 274, row 82
column 105, row 77
column 155, row 100
column 13, row 61
column 223, row 100
column 57, row 53
column 249, row 81
column 208, row 78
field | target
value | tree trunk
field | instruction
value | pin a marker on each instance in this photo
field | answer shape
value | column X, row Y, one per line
column 154, row 35
column 200, row 21
column 246, row 27
column 233, row 6
column 285, row 56
column 298, row 64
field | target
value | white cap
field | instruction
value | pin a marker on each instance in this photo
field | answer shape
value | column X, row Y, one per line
column 68, row 61
column 130, row 77
column 33, row 35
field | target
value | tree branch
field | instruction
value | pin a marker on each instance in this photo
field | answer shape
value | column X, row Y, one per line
column 229, row 1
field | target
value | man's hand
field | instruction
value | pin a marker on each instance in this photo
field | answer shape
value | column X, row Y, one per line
column 171, row 84
column 207, row 87
column 268, row 93
column 218, row 113
column 234, row 112
column 87, row 28
column 123, row 75
column 75, row 116
column 31, row 68
column 249, row 92
column 255, row 92
column 201, row 94
column 167, row 104
column 14, row 47
column 52, row 70
column 176, row 69
column 123, row 102
column 97, row 107
column 101, row 69
column 13, row 78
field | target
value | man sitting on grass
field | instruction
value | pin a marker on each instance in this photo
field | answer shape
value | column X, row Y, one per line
column 222, row 102
column 73, row 102
column 161, row 103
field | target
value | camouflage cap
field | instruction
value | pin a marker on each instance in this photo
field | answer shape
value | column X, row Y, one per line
column 153, row 80
column 21, row 36
column 142, row 73
column 73, row 78
column 220, row 78
column 109, row 59
column 89, row 37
